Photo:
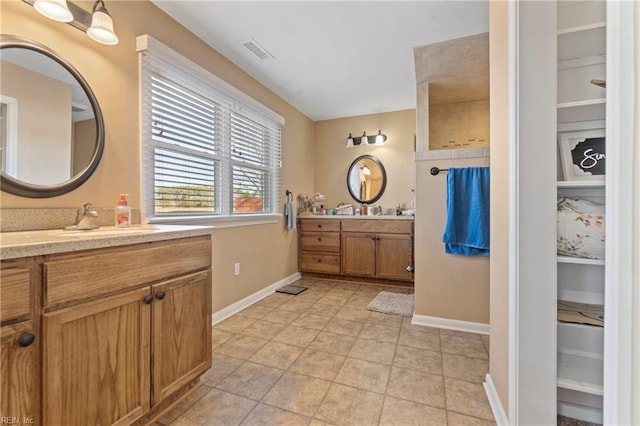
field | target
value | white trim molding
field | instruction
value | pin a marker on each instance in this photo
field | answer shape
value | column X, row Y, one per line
column 450, row 324
column 236, row 307
column 494, row 401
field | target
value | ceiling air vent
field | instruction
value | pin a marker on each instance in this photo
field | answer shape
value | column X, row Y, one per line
column 256, row 49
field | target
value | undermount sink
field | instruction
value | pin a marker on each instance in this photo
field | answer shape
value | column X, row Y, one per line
column 78, row 233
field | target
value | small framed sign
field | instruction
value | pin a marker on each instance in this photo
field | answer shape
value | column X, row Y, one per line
column 582, row 154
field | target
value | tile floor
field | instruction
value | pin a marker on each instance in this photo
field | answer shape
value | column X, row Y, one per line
column 321, row 358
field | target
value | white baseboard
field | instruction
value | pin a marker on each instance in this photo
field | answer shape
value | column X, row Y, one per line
column 580, row 412
column 494, row 401
column 449, row 324
column 234, row 308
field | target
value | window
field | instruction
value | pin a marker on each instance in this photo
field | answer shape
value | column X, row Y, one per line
column 209, row 152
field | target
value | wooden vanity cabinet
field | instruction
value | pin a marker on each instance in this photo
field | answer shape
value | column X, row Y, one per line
column 20, row 343
column 124, row 329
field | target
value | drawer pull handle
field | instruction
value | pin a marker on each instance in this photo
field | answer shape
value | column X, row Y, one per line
column 160, row 295
column 319, row 260
column 26, row 339
column 319, row 239
column 319, row 226
column 148, row 299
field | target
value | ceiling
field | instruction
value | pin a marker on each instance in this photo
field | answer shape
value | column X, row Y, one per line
column 331, row 59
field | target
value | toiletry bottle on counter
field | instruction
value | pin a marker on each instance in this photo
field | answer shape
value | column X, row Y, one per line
column 123, row 211
column 398, row 210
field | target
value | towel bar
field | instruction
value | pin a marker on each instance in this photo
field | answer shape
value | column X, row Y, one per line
column 435, row 170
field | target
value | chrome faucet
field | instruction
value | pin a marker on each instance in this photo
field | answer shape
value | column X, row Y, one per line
column 85, row 217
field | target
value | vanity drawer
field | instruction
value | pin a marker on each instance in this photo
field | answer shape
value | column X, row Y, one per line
column 319, row 225
column 316, row 262
column 379, row 226
column 320, row 241
column 15, row 294
column 79, row 276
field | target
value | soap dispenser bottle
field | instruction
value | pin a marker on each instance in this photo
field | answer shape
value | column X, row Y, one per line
column 123, row 211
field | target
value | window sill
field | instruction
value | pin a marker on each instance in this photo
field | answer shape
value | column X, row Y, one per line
column 219, row 221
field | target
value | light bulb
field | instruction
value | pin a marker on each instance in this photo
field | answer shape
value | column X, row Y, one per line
column 350, row 141
column 380, row 138
column 364, row 138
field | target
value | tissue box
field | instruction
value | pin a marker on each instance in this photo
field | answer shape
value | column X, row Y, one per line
column 580, row 228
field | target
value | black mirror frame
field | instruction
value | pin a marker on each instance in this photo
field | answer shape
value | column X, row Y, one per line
column 384, row 178
column 17, row 187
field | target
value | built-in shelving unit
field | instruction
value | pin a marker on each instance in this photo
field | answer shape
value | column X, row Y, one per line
column 581, row 105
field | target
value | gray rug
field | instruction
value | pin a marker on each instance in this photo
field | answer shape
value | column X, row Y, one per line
column 393, row 303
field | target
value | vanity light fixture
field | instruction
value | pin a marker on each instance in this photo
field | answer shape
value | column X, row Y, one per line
column 377, row 140
column 98, row 24
column 54, row 9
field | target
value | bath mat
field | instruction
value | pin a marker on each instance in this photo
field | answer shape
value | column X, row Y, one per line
column 393, row 303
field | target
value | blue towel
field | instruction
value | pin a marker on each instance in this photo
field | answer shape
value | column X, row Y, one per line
column 288, row 212
column 467, row 230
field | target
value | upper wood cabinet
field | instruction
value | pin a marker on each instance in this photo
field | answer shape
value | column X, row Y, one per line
column 357, row 247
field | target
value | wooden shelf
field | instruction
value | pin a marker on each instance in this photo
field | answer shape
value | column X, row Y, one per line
column 580, row 373
column 580, row 261
column 581, row 184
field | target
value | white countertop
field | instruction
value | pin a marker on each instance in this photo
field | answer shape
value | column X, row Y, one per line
column 338, row 216
column 36, row 243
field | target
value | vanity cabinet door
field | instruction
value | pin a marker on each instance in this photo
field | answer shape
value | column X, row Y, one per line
column 394, row 253
column 181, row 332
column 358, row 254
column 20, row 373
column 96, row 363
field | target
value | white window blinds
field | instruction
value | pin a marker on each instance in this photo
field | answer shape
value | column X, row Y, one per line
column 208, row 150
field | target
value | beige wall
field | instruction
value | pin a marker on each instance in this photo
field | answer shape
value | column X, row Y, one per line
column 44, row 124
column 446, row 286
column 266, row 253
column 84, row 144
column 459, row 125
column 333, row 159
column 500, row 154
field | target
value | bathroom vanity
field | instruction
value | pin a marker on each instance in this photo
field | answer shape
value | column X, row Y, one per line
column 366, row 248
column 103, row 327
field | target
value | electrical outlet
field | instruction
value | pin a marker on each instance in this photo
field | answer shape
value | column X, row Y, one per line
column 236, row 269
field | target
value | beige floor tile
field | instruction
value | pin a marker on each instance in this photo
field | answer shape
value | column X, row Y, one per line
column 264, row 329
column 359, row 301
column 365, row 375
column 323, row 310
column 348, row 286
column 250, row 380
column 216, row 408
column 316, row 422
column 332, row 300
column 371, row 350
column 272, row 302
column 338, row 344
column 235, row 324
column 353, row 314
column 457, row 419
column 341, row 292
column 398, row 412
column 419, row 339
column 218, row 337
column 254, row 311
column 385, row 319
column 311, row 320
column 241, row 346
column 464, row 334
column 417, row 386
column 472, row 348
column 183, row 405
column 297, row 336
column 296, row 305
column 340, row 326
column 221, row 367
column 345, row 405
column 418, row 359
column 297, row 393
column 463, row 368
column 265, row 415
column 320, row 364
column 311, row 295
column 398, row 289
column 281, row 316
column 380, row 333
column 467, row 398
column 275, row 354
column 406, row 323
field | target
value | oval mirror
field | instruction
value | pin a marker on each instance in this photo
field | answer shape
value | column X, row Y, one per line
column 366, row 179
column 51, row 127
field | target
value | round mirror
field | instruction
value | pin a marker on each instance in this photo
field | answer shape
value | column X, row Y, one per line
column 366, row 179
column 51, row 127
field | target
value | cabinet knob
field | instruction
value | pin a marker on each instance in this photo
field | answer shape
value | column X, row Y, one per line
column 319, row 239
column 319, row 226
column 319, row 260
column 148, row 299
column 160, row 295
column 26, row 339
